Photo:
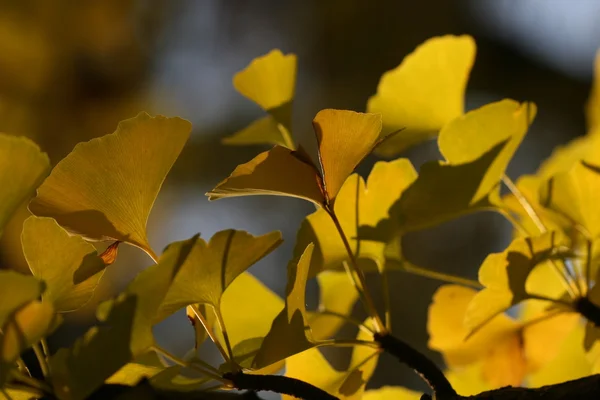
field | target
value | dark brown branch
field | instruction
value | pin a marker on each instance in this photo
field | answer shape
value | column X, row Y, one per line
column 278, row 384
column 426, row 368
column 589, row 310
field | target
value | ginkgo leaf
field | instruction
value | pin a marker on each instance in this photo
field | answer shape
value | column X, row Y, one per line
column 22, row 168
column 337, row 296
column 279, row 172
column 212, row 266
column 573, row 194
column 172, row 379
column 424, row 92
column 392, row 393
column 358, row 204
column 70, row 267
column 23, row 328
column 468, row 137
column 105, row 188
column 16, row 394
column 291, row 323
column 264, row 130
column 125, row 331
column 16, row 290
column 345, row 138
column 132, row 373
column 497, row 345
column 504, row 276
column 593, row 104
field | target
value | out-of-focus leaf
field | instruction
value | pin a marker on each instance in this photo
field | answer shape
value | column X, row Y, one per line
column 171, row 379
column 574, row 195
column 497, row 345
column 345, row 138
column 16, row 290
column 132, row 373
column 291, row 323
column 278, row 172
column 505, row 274
column 23, row 328
column 424, row 92
column 265, row 130
column 125, row 331
column 22, row 168
column 468, row 137
column 593, row 105
column 358, row 204
column 212, row 266
column 105, row 188
column 337, row 294
column 70, row 267
column 391, row 393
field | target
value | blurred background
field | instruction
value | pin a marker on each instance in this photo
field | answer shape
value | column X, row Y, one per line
column 70, row 71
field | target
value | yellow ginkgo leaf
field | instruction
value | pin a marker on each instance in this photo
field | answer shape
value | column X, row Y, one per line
column 337, row 296
column 212, row 266
column 391, row 393
column 504, row 276
column 264, row 130
column 131, row 374
column 424, row 92
column 70, row 267
column 468, row 137
column 574, row 195
column 593, row 104
column 345, row 138
column 105, row 188
column 279, row 172
column 497, row 345
column 22, row 168
column 16, row 290
column 358, row 205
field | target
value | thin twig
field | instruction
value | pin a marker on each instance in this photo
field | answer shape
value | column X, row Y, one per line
column 41, row 357
column 345, row 343
column 439, row 276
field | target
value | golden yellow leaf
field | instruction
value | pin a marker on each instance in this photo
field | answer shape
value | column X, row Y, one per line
column 22, row 168
column 275, row 172
column 391, row 393
column 265, row 130
column 16, row 290
column 593, row 104
column 131, row 374
column 425, row 92
column 468, row 381
column 70, row 267
column 105, row 188
column 345, row 138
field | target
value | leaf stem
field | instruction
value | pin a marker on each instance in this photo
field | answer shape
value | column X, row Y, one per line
column 225, row 337
column 178, row 361
column 588, row 266
column 534, row 296
column 209, row 332
column 31, row 382
column 41, row 357
column 357, row 275
column 385, row 288
column 345, row 343
column 278, row 384
column 23, row 367
column 24, row 388
column 348, row 319
column 439, row 276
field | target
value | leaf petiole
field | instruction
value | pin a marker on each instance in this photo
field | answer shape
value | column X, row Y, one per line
column 41, row 357
column 178, row 361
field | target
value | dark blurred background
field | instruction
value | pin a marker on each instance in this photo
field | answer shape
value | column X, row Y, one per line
column 70, row 71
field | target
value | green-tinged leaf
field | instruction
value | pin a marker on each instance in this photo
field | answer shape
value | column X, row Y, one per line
column 468, row 137
column 22, row 168
column 593, row 104
column 345, row 138
column 574, row 195
column 16, row 394
column 125, row 331
column 171, row 379
column 211, row 267
column 105, row 188
column 264, row 130
column 278, row 172
column 424, row 92
column 337, row 295
column 505, row 274
column 291, row 323
column 70, row 267
column 132, row 373
column 23, row 328
column 358, row 204
column 16, row 290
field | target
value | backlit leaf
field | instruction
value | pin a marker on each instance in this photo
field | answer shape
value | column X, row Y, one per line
column 574, row 195
column 200, row 333
column 265, row 130
column 358, row 204
column 70, row 267
column 345, row 138
column 105, row 188
column 16, row 290
column 211, row 267
column 424, row 92
column 470, row 136
column 132, row 373
column 275, row 172
column 593, row 105
column 22, row 168
column 291, row 323
column 16, row 394
column 504, row 276
column 125, row 331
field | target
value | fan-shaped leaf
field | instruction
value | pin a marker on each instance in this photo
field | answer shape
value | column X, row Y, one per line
column 424, row 92
column 105, row 188
column 70, row 267
column 22, row 168
column 264, row 130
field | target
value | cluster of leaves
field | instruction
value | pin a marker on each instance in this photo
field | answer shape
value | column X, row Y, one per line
column 104, row 190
